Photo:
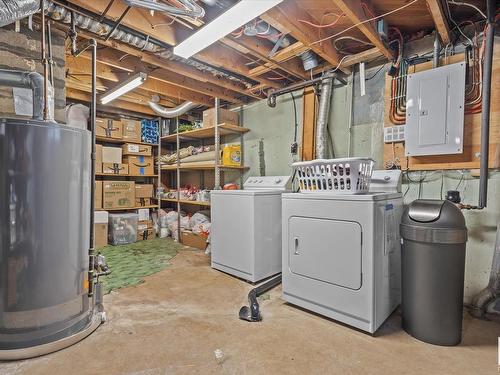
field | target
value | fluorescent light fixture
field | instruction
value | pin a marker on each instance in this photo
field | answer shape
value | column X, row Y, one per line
column 131, row 83
column 241, row 13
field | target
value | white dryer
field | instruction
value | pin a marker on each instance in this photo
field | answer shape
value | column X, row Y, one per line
column 341, row 253
column 245, row 237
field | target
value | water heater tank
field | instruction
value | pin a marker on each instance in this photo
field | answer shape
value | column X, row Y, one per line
column 44, row 233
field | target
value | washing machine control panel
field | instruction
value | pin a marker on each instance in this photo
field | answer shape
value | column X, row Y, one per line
column 267, row 182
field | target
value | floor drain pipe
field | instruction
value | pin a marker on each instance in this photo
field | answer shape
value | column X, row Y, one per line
column 492, row 291
column 485, row 114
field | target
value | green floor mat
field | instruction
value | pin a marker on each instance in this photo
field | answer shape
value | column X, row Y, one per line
column 129, row 264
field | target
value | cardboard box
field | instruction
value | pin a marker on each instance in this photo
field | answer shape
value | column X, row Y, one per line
column 98, row 158
column 115, row 168
column 189, row 238
column 143, row 214
column 112, row 155
column 118, row 194
column 134, row 149
column 98, row 196
column 139, row 165
column 144, row 190
column 225, row 116
column 141, row 202
column 100, row 228
column 108, row 128
column 145, row 230
column 131, row 130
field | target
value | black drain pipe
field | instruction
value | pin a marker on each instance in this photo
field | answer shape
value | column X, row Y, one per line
column 252, row 313
column 485, row 114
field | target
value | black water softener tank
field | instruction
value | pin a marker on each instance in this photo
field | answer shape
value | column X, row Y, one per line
column 433, row 261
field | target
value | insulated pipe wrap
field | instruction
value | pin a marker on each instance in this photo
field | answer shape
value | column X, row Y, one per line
column 13, row 10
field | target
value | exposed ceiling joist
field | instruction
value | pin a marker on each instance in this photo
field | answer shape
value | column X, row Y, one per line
column 353, row 9
column 173, row 66
column 259, row 49
column 132, row 64
column 81, row 96
column 158, row 26
column 225, row 57
column 440, row 21
column 82, row 65
column 282, row 55
column 285, row 17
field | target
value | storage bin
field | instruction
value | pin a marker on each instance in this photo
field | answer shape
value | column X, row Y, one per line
column 122, row 228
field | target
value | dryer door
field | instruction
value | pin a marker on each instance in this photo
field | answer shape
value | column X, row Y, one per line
column 326, row 250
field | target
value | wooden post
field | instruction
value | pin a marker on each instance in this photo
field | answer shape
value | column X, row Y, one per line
column 308, row 124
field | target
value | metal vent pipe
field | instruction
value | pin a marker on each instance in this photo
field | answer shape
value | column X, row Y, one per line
column 172, row 112
column 485, row 114
column 33, row 81
column 322, row 121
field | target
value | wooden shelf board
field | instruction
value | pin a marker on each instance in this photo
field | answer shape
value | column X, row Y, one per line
column 201, row 133
column 123, row 141
column 126, row 175
column 126, row 209
column 200, row 166
column 183, row 201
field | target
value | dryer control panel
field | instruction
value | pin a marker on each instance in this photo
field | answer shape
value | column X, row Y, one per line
column 267, row 182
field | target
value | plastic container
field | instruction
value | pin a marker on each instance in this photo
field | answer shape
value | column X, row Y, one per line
column 231, row 155
column 339, row 176
column 433, row 262
column 122, row 228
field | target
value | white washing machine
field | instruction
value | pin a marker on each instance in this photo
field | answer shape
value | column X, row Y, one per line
column 341, row 253
column 245, row 237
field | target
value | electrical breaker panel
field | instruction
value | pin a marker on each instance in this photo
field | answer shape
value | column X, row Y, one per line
column 435, row 111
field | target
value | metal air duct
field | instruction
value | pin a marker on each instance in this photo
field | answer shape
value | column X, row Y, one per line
column 13, row 10
column 172, row 112
column 322, row 121
column 263, row 29
column 34, row 81
column 191, row 8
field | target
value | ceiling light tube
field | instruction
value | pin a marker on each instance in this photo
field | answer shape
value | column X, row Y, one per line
column 131, row 83
column 241, row 13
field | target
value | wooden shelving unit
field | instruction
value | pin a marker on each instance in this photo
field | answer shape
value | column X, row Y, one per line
column 199, row 136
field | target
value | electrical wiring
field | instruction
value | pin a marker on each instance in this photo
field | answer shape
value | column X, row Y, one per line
column 321, row 26
column 374, row 74
column 455, row 23
column 468, row 5
column 365, row 21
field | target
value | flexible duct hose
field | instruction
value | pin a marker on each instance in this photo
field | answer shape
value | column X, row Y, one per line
column 172, row 112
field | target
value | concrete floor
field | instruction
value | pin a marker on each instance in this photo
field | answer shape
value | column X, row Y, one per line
column 173, row 323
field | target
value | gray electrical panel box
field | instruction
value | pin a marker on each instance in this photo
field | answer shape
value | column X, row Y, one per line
column 435, row 111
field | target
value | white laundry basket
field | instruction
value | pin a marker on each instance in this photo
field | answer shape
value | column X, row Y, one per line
column 339, row 176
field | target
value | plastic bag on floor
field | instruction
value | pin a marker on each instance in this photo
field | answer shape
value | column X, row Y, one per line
column 197, row 219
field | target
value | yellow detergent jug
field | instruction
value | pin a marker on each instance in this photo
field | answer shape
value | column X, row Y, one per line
column 231, row 155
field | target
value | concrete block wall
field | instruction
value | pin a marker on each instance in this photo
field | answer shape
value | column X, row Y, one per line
column 21, row 51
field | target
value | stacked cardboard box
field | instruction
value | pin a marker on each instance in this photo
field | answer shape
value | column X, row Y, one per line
column 118, row 194
column 100, row 228
column 109, row 128
column 131, row 130
column 225, row 117
column 143, row 194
